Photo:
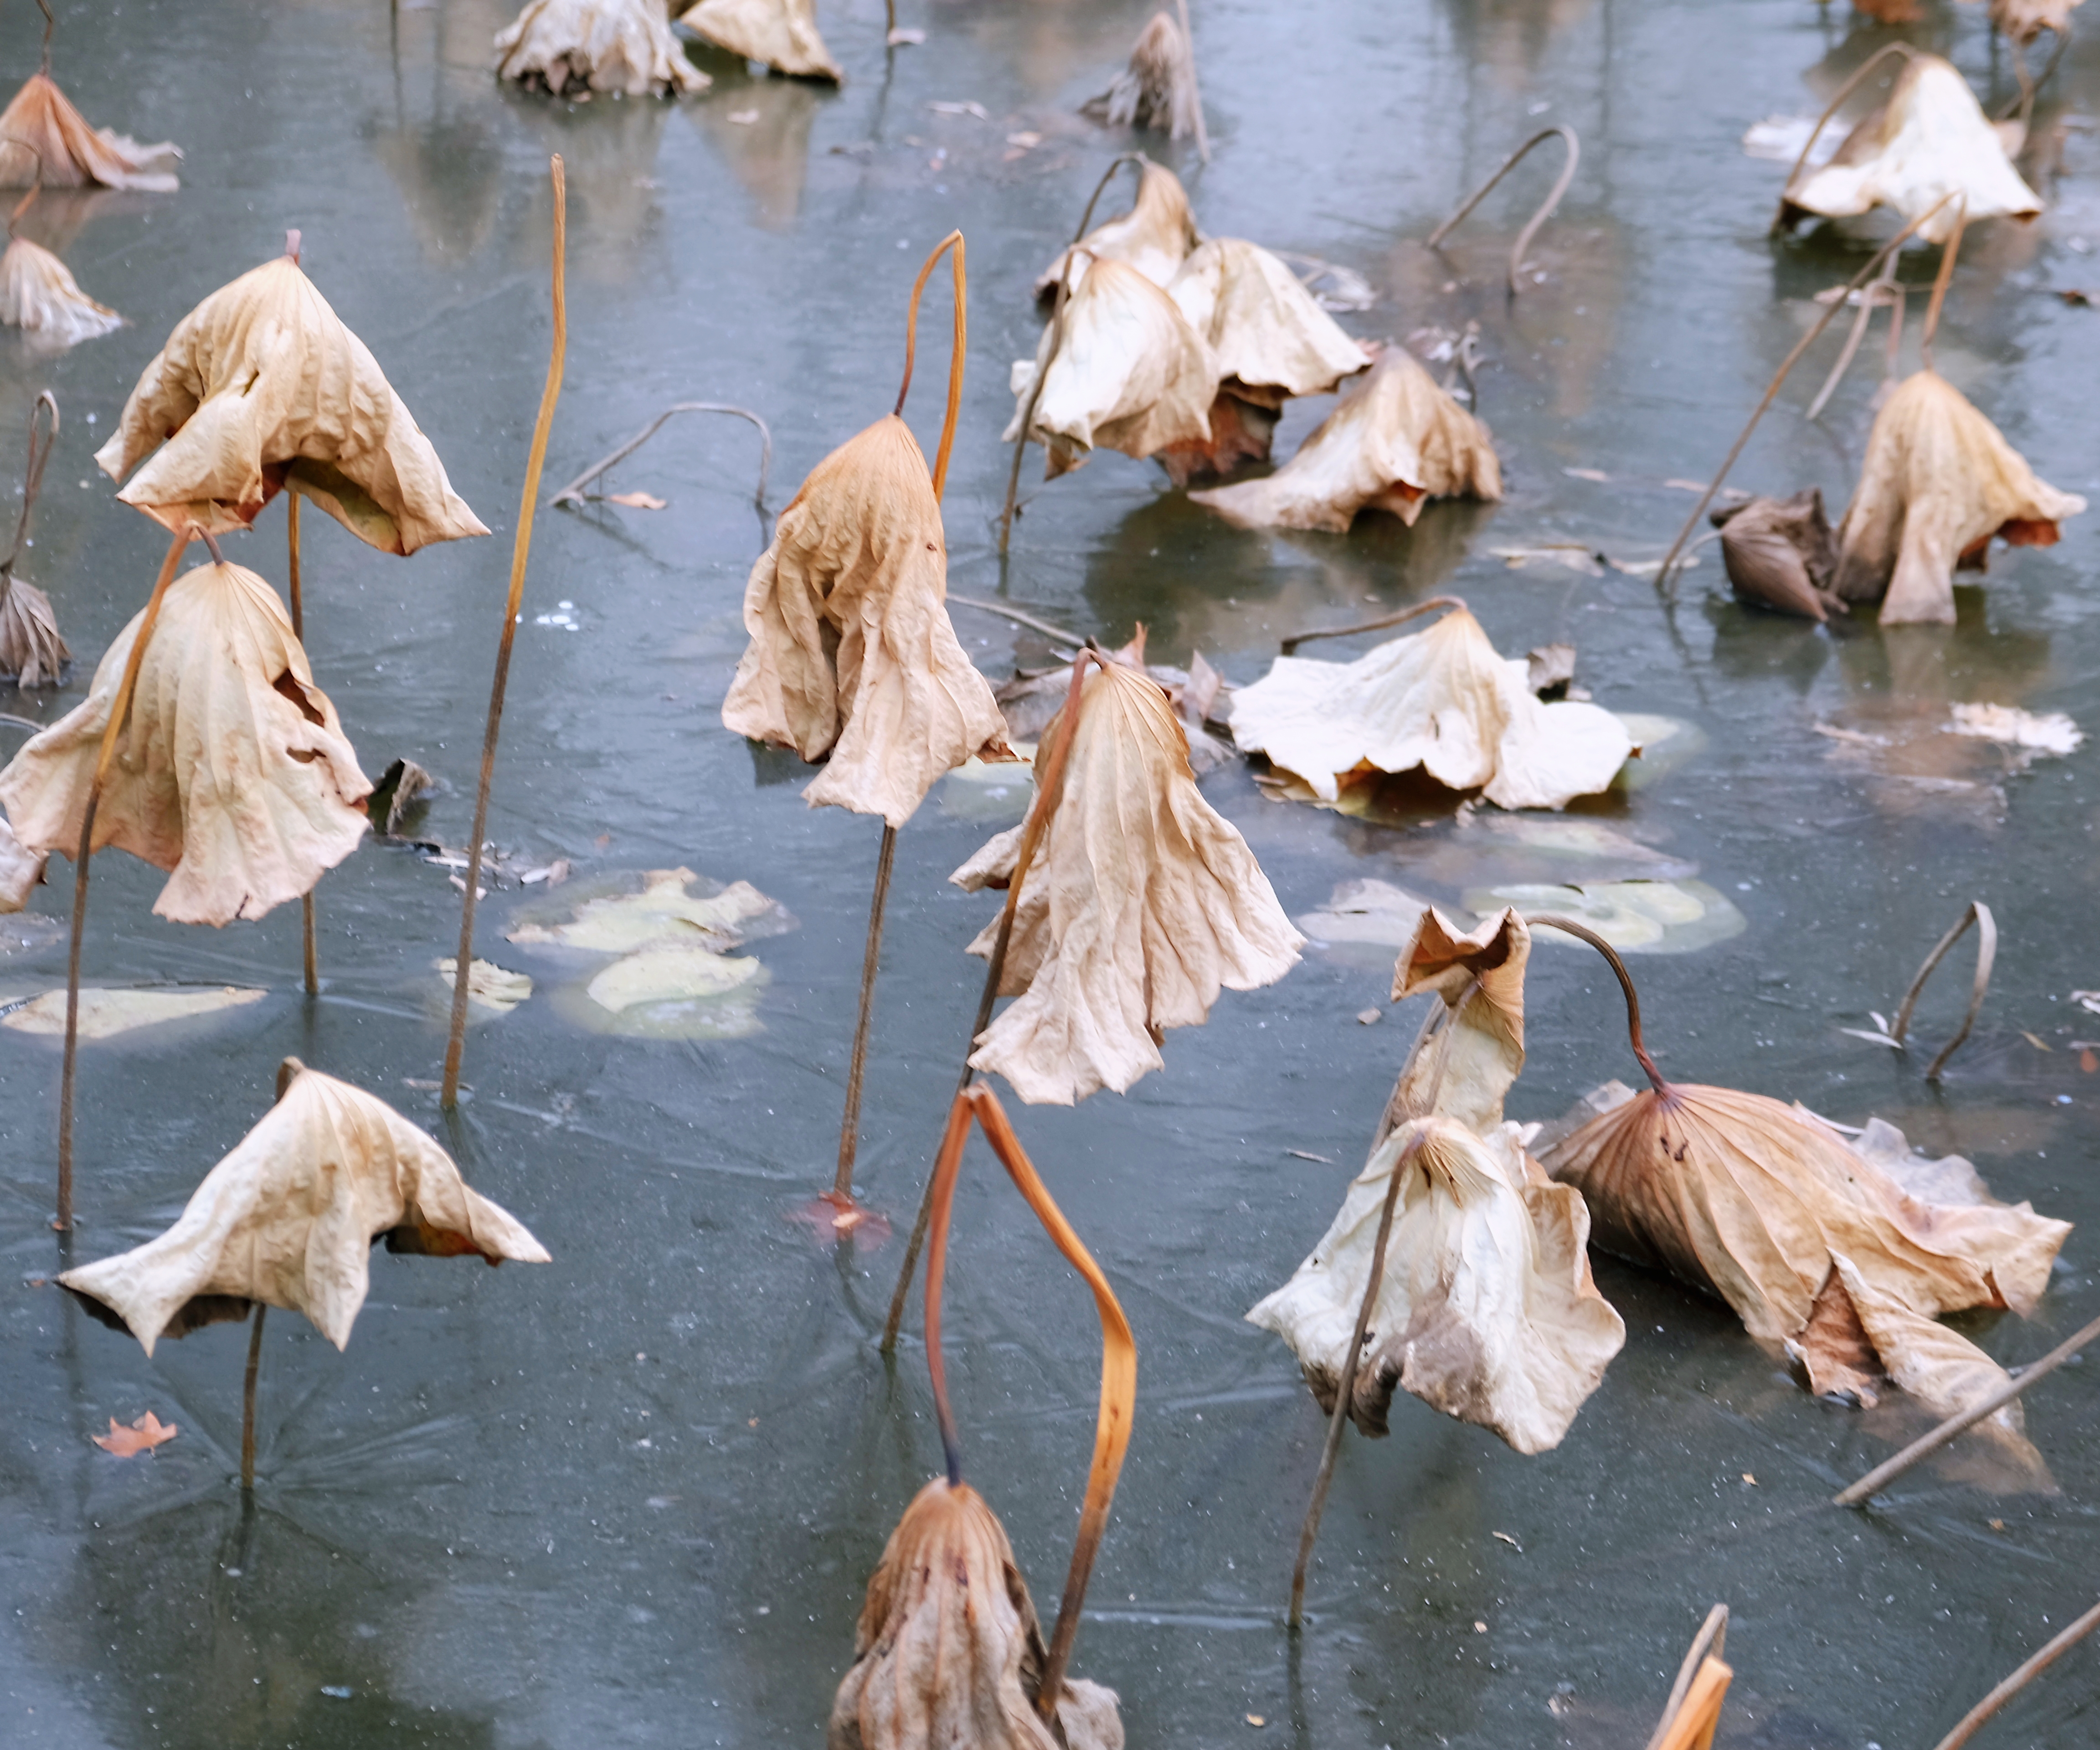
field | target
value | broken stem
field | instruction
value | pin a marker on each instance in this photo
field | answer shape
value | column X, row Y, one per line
column 1972, row 1720
column 1987, row 953
column 536, row 457
column 248, row 1399
column 1545, row 208
column 1584, row 933
column 940, row 1200
column 119, row 709
column 50, row 23
column 849, row 1127
column 299, row 632
column 1383, row 621
column 1779, row 220
column 1948, row 252
column 1664, row 584
column 1709, row 1642
column 1886, row 1472
column 955, row 356
column 1018, row 618
column 1195, row 86
column 574, row 493
column 1869, row 296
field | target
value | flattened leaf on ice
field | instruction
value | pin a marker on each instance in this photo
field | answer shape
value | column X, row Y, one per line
column 662, row 914
column 262, row 387
column 39, row 295
column 1634, row 916
column 1442, row 699
column 489, row 987
column 1130, row 373
column 948, row 1651
column 288, row 1218
column 1396, row 441
column 232, row 774
column 43, row 139
column 105, row 1013
column 622, row 46
column 852, row 653
column 782, row 33
column 1142, row 905
column 675, row 973
column 1780, row 553
column 1939, row 484
column 1157, row 89
column 1153, row 237
column 1927, row 141
column 1368, row 913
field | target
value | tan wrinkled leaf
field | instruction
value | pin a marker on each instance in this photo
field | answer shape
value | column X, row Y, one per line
column 44, row 139
column 1465, row 1068
column 21, row 869
column 289, row 1217
column 32, row 653
column 2023, row 20
column 1158, row 90
column 1141, row 904
column 105, row 1013
column 1780, row 553
column 1440, row 699
column 1928, row 139
column 1939, row 484
column 142, row 1436
column 232, row 773
column 1154, row 236
column 852, row 652
column 636, row 500
column 488, row 985
column 782, row 33
column 663, row 915
column 261, row 388
column 1396, row 441
column 948, row 1651
column 623, row 46
column 1262, row 324
column 39, row 295
column 1130, row 373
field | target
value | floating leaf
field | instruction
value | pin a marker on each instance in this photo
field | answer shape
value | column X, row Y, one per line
column 670, row 975
column 663, row 914
column 582, row 46
column 105, row 1013
column 1634, row 916
column 636, row 500
column 142, row 1436
column 487, row 986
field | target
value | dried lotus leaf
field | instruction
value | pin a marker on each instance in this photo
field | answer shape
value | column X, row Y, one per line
column 21, row 869
column 1154, row 237
column 45, row 140
column 781, row 33
column 1264, row 327
column 1780, row 553
column 1157, row 89
column 618, row 45
column 107, row 1014
column 670, row 975
column 32, row 652
column 39, row 295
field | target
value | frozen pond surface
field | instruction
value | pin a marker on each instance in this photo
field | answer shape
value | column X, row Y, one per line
column 634, row 1498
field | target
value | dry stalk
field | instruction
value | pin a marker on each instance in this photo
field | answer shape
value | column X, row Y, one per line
column 1545, row 207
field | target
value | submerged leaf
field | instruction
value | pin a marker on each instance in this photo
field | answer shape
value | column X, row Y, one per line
column 488, row 985
column 662, row 915
column 1154, row 237
column 142, row 1436
column 232, row 773
column 288, row 1217
column 261, row 388
column 622, row 46
column 44, row 139
column 39, row 295
column 670, row 975
column 1939, row 484
column 782, row 33
column 105, row 1013
column 852, row 652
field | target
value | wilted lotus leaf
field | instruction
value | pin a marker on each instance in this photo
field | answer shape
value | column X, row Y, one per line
column 2023, row 20
column 1154, row 236
column 1780, row 553
column 39, row 295
column 261, row 388
column 622, row 46
column 289, row 1217
column 232, row 773
column 1129, row 373
column 1464, row 1066
column 1396, row 441
column 948, row 1651
column 21, row 869
column 1157, row 89
column 32, row 653
column 105, row 1013
column 782, row 33
column 852, row 652
column 1442, row 699
column 43, row 139
column 1939, row 483
column 1928, row 139
column 663, row 915
column 1141, row 904
column 488, row 985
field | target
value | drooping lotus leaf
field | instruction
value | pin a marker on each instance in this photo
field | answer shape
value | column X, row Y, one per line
column 43, row 139
column 32, row 652
column 1154, row 236
column 1264, row 327
column 1157, row 89
column 781, row 33
column 1780, row 553
column 39, row 295
column 617, row 45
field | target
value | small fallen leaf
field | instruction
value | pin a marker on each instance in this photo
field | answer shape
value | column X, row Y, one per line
column 2045, row 731
column 1750, row 1479
column 2088, row 1000
column 1479, row 1628
column 2087, row 1061
column 976, row 109
column 1506, row 1537
column 742, row 117
column 904, row 38
column 1997, row 1525
column 553, row 873
column 142, row 1436
column 1256, row 1719
column 1027, row 142
column 1300, row 1154
column 1370, row 1017
column 1598, row 474
column 2033, row 1040
column 649, row 501
column 401, row 787
column 479, row 893
column 487, row 986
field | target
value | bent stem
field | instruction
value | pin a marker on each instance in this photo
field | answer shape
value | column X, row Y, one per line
column 1882, row 289
column 1666, row 575
column 1973, row 1720
column 248, row 1399
column 1383, row 621
column 1546, row 208
column 463, row 966
column 33, row 481
column 1779, row 220
column 299, row 632
column 940, row 1196
column 1049, row 790
column 120, row 708
column 1987, row 953
column 955, row 357
column 574, row 493
column 1584, row 933
column 1939, row 281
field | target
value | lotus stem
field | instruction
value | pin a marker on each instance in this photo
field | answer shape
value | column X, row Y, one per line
column 1383, row 621
column 1939, row 281
column 955, row 356
column 940, row 1196
column 1708, row 1643
column 1868, row 296
column 574, row 493
column 535, row 458
column 1823, row 121
column 50, row 25
column 1019, row 618
column 1583, row 932
column 1665, row 577
column 1195, row 86
column 1545, row 208
column 1973, row 1720
column 248, row 1399
column 2023, row 106
column 1118, row 1399
column 33, row 481
column 1987, row 953
column 850, row 1127
column 1923, row 1448
column 299, row 632
column 1049, row 789
column 120, row 708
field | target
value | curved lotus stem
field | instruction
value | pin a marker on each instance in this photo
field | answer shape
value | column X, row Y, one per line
column 36, row 186
column 535, row 459
column 1049, row 790
column 1545, row 208
column 1583, row 932
column 1823, row 121
column 1881, row 290
column 1973, row 1720
column 940, row 1196
column 2023, row 106
column 1383, row 621
column 32, row 480
column 574, row 493
column 955, row 356
column 1947, row 259
column 1666, row 575
column 1708, row 1643
column 1987, row 953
